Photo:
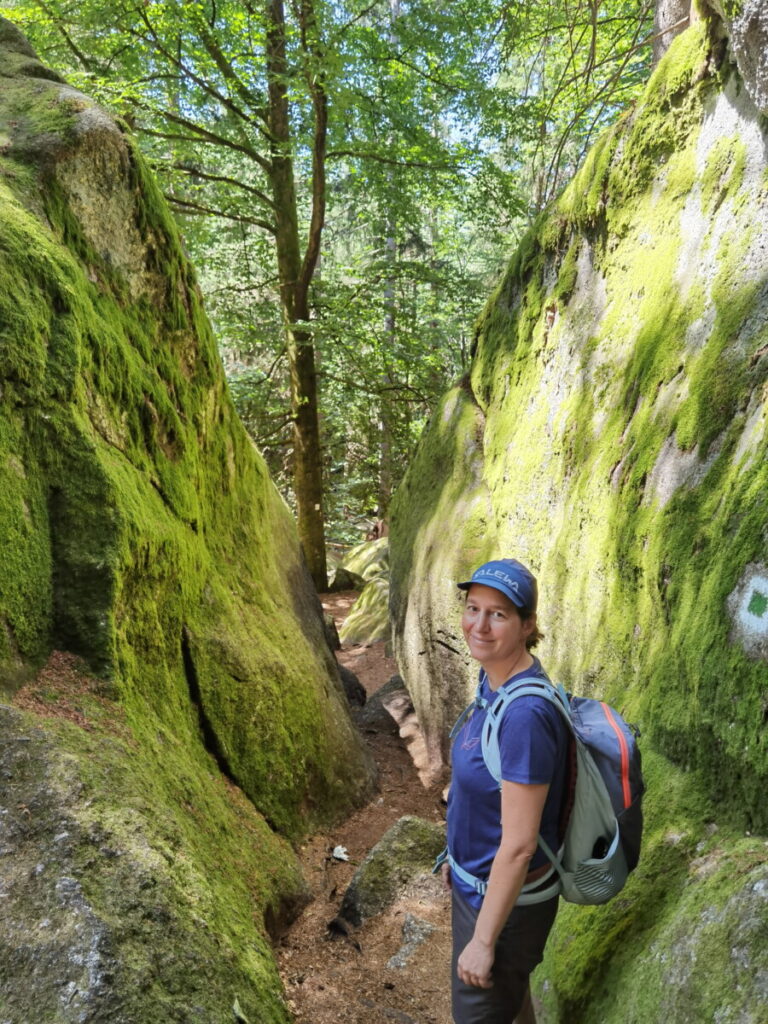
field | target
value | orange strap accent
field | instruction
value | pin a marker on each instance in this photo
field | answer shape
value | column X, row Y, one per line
column 627, row 792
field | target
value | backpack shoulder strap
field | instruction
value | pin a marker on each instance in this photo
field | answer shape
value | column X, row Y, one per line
column 478, row 702
column 530, row 686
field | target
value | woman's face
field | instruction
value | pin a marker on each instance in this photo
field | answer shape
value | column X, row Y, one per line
column 493, row 629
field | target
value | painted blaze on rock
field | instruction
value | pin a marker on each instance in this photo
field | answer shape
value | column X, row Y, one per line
column 612, row 434
column 748, row 606
column 139, row 529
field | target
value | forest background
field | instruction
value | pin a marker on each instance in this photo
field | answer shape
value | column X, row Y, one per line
column 349, row 178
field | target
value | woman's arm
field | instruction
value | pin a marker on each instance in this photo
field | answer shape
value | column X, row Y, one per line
column 521, row 809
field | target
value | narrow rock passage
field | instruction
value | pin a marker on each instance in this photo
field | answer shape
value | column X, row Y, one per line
column 395, row 966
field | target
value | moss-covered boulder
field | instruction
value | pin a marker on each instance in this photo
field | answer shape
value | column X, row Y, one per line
column 368, row 619
column 612, row 434
column 406, row 850
column 368, row 559
column 139, row 530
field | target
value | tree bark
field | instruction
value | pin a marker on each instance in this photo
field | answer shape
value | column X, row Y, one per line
column 295, row 276
column 390, row 327
column 671, row 17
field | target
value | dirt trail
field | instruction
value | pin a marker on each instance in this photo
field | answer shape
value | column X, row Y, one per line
column 331, row 978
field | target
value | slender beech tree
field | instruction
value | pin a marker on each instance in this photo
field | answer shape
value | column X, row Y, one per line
column 296, row 270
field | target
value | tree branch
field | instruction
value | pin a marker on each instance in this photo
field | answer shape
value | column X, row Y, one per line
column 198, row 209
column 203, row 84
column 216, row 54
column 206, row 135
column 223, row 179
column 565, row 134
column 58, row 23
column 334, row 154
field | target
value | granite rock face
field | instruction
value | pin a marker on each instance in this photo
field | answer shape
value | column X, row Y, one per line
column 747, row 27
column 159, row 633
column 613, row 434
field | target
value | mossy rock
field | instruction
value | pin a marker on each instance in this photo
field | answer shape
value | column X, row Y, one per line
column 406, row 850
column 368, row 559
column 368, row 619
column 139, row 530
column 386, row 708
column 130, row 893
column 612, row 434
column 340, row 579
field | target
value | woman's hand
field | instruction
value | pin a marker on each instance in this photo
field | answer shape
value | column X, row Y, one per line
column 521, row 808
column 445, row 874
column 475, row 963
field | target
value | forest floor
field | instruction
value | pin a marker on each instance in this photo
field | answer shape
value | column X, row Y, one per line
column 331, row 977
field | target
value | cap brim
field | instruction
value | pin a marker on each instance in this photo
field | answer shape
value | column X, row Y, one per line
column 514, row 598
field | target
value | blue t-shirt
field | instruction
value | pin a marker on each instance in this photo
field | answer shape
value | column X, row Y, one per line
column 533, row 743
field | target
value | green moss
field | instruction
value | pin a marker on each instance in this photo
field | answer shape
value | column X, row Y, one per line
column 173, row 859
column 566, row 278
column 615, row 462
column 25, row 584
column 368, row 559
column 446, row 464
column 720, row 371
column 155, row 488
column 408, row 848
column 368, row 619
column 666, row 116
column 142, row 532
column 724, row 171
column 583, row 202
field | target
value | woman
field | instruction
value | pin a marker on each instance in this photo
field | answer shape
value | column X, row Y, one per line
column 492, row 834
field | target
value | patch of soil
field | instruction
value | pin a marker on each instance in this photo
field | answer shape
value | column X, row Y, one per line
column 331, row 976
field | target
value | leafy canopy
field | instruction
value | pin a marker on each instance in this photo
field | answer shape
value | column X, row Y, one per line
column 449, row 127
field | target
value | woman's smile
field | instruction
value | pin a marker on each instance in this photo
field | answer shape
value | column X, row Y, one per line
column 494, row 631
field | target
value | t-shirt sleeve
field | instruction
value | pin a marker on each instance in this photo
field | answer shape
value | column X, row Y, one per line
column 530, row 741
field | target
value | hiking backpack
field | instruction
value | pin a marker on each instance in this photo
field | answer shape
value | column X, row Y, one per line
column 604, row 828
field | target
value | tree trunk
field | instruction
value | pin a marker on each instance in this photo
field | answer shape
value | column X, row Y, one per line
column 295, row 277
column 390, row 250
column 671, row 17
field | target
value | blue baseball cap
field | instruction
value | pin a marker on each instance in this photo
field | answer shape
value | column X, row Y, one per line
column 510, row 577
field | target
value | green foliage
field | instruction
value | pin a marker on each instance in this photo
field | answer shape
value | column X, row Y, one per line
column 568, row 72
column 447, row 126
